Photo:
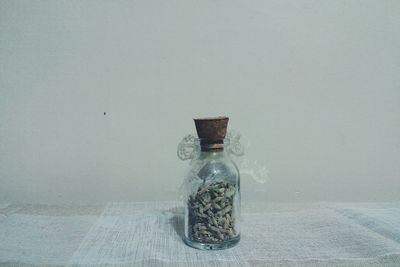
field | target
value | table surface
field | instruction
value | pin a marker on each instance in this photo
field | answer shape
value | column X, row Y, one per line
column 149, row 234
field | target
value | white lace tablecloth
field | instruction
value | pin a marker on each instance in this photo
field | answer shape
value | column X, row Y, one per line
column 149, row 234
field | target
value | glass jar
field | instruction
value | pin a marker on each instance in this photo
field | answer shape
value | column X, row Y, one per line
column 211, row 197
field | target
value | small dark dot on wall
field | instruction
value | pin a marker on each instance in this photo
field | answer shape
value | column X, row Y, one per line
column 105, row 113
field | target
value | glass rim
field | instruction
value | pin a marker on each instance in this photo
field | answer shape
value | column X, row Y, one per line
column 225, row 140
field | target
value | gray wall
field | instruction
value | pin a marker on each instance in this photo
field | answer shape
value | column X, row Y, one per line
column 312, row 85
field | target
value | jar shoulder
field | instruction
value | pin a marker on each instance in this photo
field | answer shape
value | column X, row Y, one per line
column 214, row 168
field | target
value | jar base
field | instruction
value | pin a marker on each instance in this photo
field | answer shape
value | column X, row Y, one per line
column 212, row 246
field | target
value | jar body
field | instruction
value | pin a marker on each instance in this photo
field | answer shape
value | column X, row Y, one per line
column 212, row 201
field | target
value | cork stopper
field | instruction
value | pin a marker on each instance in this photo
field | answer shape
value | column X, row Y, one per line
column 211, row 132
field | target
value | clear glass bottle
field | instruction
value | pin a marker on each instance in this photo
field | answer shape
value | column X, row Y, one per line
column 212, row 190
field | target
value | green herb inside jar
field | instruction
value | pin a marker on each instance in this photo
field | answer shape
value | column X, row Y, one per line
column 210, row 213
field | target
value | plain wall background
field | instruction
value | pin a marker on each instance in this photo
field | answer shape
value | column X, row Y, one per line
column 314, row 86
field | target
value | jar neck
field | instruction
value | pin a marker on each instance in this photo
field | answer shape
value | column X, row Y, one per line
column 219, row 148
column 211, row 145
column 212, row 154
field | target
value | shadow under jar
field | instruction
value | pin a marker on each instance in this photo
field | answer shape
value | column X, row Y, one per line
column 212, row 198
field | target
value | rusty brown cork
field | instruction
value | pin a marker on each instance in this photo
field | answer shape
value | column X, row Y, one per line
column 211, row 128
